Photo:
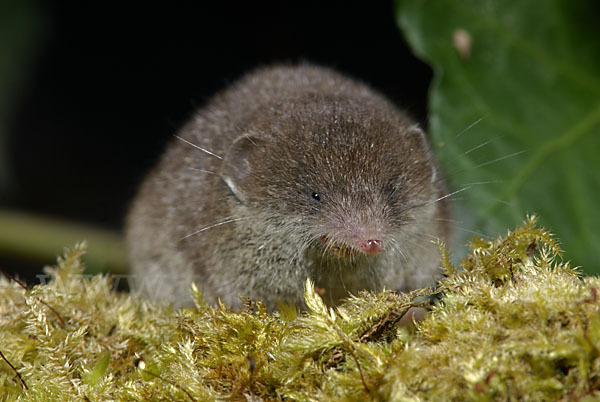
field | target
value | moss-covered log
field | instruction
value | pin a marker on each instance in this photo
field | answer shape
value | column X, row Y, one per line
column 513, row 323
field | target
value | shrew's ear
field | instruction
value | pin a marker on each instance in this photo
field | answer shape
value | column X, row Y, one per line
column 237, row 168
column 418, row 145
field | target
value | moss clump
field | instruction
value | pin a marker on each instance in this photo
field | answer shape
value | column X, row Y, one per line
column 514, row 323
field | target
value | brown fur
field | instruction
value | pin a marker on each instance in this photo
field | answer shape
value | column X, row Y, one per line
column 285, row 133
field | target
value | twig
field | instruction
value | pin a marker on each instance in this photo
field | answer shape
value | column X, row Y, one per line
column 12, row 278
column 54, row 311
column 171, row 383
column 348, row 343
column 15, row 370
column 362, row 377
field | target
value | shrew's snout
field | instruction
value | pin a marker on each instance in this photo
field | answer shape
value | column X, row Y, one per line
column 371, row 246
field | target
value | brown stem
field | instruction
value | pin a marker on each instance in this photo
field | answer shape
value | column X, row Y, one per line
column 12, row 278
column 171, row 383
column 15, row 370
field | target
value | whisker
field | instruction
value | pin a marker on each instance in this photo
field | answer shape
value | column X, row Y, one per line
column 462, row 229
column 499, row 159
column 470, row 126
column 475, row 148
column 435, row 220
column 214, row 225
column 201, row 170
column 252, row 141
column 477, row 183
column 396, row 246
column 197, row 147
column 341, row 274
column 447, row 195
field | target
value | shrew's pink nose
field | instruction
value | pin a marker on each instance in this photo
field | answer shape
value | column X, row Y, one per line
column 372, row 246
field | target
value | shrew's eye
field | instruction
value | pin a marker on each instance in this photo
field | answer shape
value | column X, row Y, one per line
column 315, row 196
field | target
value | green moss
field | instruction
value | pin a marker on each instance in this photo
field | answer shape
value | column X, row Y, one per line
column 513, row 323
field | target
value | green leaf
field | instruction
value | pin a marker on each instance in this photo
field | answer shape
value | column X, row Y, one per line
column 94, row 376
column 516, row 104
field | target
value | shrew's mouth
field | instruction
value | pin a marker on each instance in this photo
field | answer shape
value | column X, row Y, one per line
column 339, row 249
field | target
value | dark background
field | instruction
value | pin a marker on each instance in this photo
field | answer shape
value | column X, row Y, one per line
column 109, row 83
